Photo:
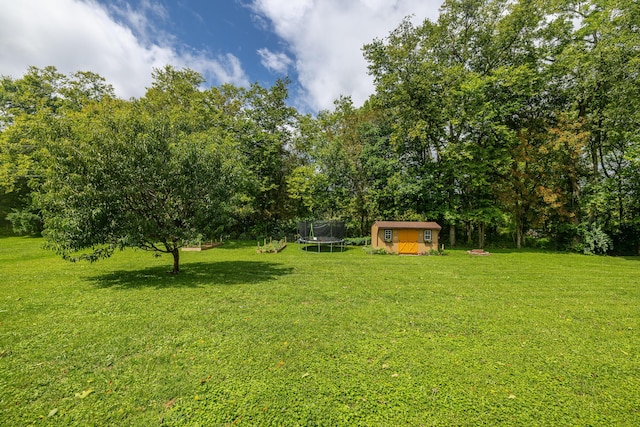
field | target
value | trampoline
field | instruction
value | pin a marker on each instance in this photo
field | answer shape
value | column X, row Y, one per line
column 321, row 233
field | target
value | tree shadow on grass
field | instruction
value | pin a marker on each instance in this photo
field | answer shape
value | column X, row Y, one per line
column 194, row 275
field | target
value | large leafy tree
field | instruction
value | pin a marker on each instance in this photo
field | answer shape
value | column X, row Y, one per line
column 458, row 88
column 266, row 131
column 149, row 173
column 519, row 111
column 348, row 169
column 602, row 64
column 27, row 107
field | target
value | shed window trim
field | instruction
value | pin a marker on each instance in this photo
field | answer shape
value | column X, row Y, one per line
column 388, row 235
column 427, row 236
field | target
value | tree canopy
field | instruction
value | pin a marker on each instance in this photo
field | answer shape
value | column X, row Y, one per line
column 146, row 173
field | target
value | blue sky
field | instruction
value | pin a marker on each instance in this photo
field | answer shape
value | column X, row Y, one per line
column 316, row 43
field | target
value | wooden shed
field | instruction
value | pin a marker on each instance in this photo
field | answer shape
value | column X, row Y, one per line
column 405, row 237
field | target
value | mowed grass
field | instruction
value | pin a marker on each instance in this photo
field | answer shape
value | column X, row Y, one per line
column 297, row 338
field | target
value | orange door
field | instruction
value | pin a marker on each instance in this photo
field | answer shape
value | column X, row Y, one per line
column 408, row 242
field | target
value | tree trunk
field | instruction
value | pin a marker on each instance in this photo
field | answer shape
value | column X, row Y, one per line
column 176, row 259
column 452, row 235
column 518, row 234
column 481, row 235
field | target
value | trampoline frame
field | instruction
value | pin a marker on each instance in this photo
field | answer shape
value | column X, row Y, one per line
column 322, row 241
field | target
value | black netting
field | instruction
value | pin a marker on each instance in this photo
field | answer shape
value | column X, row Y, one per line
column 321, row 230
column 304, row 229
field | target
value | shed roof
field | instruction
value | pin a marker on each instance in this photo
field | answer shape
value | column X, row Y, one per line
column 425, row 225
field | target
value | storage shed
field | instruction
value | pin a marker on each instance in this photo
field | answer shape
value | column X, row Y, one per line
column 405, row 237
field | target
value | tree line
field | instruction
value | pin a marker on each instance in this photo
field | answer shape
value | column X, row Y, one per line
column 507, row 121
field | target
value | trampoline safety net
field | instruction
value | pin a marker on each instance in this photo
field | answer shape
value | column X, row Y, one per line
column 321, row 232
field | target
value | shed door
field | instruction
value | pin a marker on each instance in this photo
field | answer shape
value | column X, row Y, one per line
column 408, row 241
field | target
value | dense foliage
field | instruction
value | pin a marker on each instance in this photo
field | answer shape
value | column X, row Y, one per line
column 520, row 115
column 508, row 122
column 150, row 174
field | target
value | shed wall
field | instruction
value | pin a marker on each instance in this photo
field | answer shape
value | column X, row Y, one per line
column 377, row 239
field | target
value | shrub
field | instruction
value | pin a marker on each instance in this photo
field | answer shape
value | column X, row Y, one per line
column 375, row 251
column 439, row 252
column 358, row 241
column 594, row 240
column 25, row 222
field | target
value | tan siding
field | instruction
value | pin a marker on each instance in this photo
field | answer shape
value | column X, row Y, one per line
column 377, row 235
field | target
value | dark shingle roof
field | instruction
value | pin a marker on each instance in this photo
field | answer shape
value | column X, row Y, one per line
column 425, row 225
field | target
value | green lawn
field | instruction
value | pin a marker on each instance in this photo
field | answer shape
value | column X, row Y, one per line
column 296, row 338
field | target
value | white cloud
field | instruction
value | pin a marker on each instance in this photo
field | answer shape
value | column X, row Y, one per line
column 226, row 68
column 275, row 62
column 327, row 36
column 140, row 20
column 75, row 35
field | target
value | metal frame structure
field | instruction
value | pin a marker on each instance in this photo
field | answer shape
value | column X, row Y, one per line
column 319, row 242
